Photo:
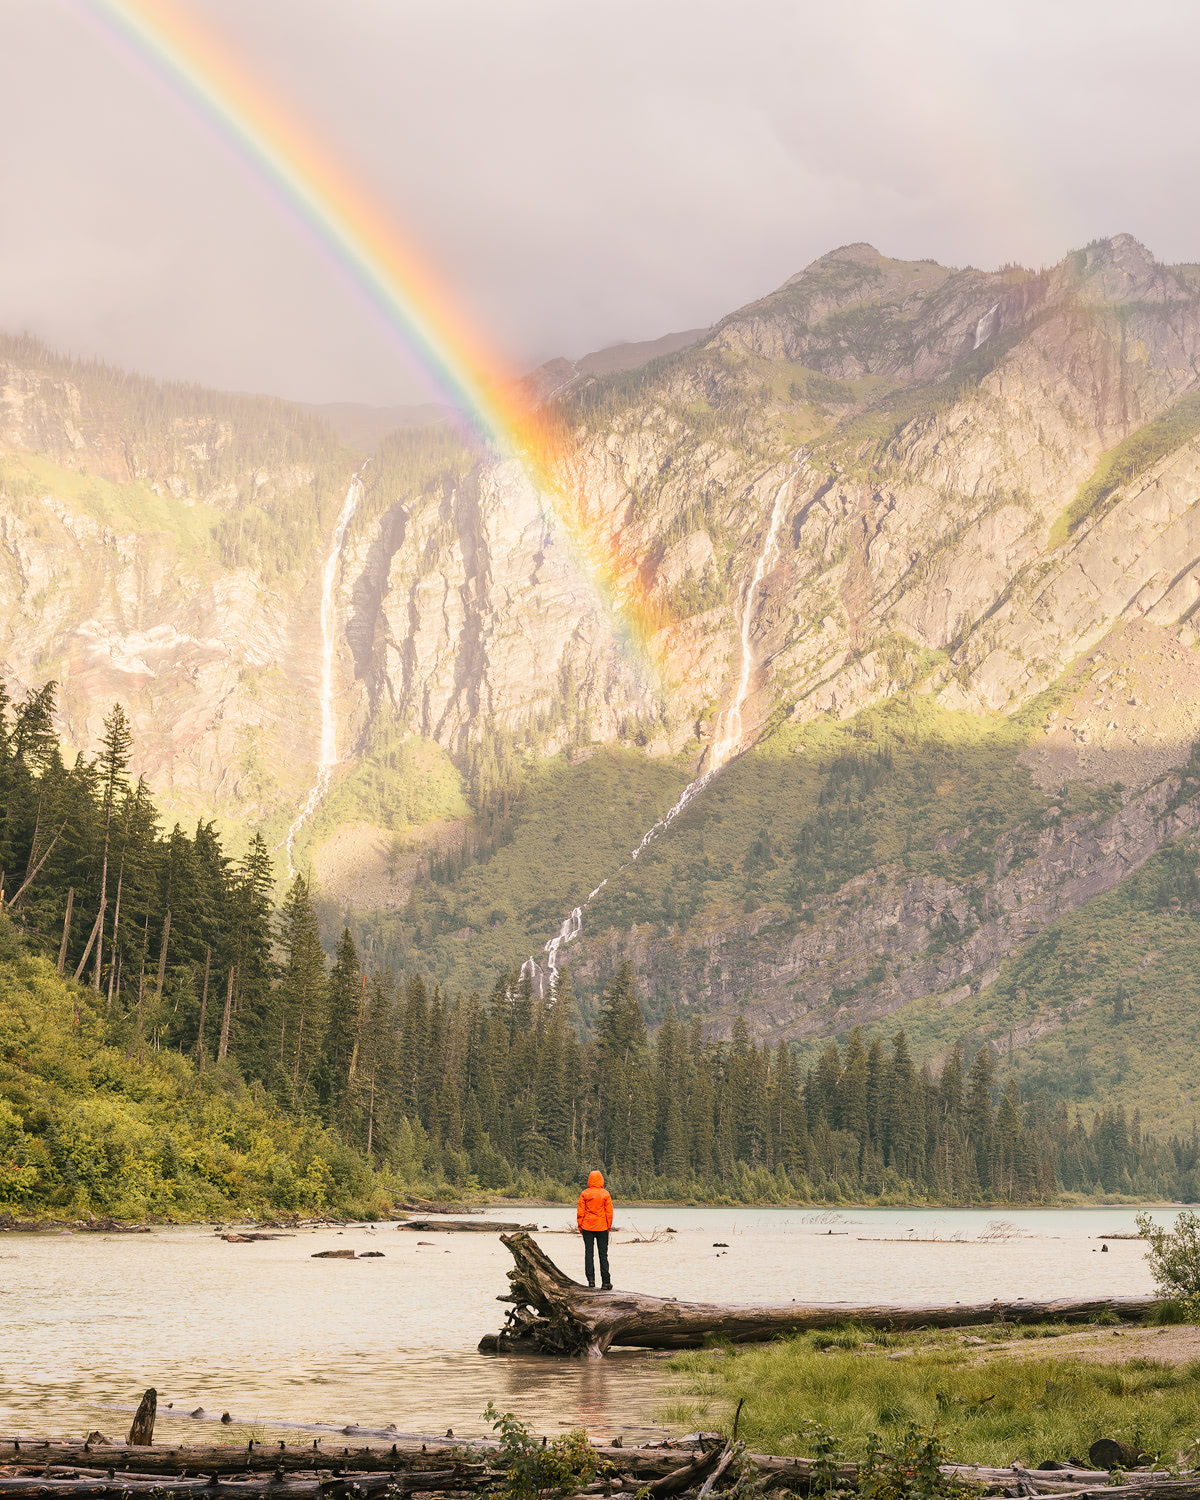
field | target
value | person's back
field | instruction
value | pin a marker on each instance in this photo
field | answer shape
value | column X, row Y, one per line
column 594, row 1215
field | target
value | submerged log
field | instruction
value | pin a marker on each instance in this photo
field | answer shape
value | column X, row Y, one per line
column 551, row 1314
column 461, row 1226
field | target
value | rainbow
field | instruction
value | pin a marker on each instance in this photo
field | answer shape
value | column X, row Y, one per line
column 323, row 194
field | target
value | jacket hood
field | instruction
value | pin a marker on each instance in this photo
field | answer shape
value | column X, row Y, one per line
column 596, row 1179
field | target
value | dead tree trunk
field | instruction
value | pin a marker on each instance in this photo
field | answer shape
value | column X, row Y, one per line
column 141, row 1434
column 204, row 1007
column 162, row 952
column 223, row 1044
column 90, row 943
column 66, row 937
column 552, row 1314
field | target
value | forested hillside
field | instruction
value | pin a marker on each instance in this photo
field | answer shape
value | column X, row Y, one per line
column 170, row 1047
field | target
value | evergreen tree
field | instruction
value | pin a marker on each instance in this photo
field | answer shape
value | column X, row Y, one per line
column 343, row 1031
column 302, row 997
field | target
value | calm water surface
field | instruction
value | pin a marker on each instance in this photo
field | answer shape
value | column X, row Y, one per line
column 274, row 1337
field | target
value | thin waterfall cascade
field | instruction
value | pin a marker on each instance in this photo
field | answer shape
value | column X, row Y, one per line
column 726, row 745
column 986, row 325
column 329, row 753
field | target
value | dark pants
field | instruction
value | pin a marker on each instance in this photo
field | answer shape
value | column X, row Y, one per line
column 593, row 1238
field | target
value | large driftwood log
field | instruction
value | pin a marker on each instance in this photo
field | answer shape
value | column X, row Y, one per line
column 254, row 1458
column 58, row 1471
column 552, row 1314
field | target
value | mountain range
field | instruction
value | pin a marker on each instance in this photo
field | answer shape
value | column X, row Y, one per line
column 931, row 532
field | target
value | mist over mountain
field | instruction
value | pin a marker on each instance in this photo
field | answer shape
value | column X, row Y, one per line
column 950, row 514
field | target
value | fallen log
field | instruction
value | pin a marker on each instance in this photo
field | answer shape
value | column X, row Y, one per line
column 102, row 1487
column 256, row 1458
column 551, row 1314
column 462, row 1226
column 58, row 1471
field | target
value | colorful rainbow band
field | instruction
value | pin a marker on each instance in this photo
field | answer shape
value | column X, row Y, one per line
column 318, row 188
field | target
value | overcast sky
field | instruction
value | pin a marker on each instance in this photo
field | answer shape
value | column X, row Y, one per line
column 583, row 171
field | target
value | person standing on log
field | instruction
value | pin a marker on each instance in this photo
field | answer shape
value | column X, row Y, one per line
column 594, row 1216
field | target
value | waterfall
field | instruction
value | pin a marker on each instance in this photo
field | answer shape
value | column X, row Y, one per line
column 725, row 746
column 329, row 756
column 986, row 325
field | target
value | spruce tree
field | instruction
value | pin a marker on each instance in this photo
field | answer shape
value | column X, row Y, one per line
column 115, row 749
column 302, row 997
column 343, row 1031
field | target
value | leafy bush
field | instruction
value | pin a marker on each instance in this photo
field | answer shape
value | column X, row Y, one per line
column 562, row 1467
column 1174, row 1257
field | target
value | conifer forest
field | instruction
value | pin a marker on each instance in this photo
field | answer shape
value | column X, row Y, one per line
column 165, row 959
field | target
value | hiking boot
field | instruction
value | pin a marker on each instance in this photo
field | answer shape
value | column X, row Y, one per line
column 606, row 1286
column 592, row 1284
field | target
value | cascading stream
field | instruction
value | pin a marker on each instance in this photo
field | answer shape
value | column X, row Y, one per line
column 725, row 745
column 329, row 755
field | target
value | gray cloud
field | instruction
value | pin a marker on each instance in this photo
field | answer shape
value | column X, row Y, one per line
column 581, row 173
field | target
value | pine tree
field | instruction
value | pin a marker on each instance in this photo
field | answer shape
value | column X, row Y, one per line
column 115, row 750
column 979, row 1116
column 343, row 1031
column 302, row 998
column 851, row 1098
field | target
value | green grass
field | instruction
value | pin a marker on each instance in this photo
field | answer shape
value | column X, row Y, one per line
column 396, row 784
column 1007, row 1408
column 188, row 529
column 1131, row 457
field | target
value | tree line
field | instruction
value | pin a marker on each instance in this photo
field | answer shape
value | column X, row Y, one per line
column 504, row 1091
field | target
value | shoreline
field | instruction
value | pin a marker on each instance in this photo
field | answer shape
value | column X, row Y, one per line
column 11, row 1224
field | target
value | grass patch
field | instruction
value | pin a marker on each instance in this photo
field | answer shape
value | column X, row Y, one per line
column 988, row 1412
column 121, row 507
column 1132, row 456
column 398, row 784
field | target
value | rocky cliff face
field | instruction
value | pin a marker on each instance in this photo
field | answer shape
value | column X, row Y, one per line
column 989, row 486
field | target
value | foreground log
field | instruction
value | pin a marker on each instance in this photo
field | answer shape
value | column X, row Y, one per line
column 252, row 1459
column 40, row 1471
column 551, row 1314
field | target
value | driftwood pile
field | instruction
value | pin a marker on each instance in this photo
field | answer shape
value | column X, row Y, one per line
column 442, row 1471
column 551, row 1314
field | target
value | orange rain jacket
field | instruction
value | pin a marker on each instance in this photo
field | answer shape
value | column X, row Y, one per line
column 595, row 1204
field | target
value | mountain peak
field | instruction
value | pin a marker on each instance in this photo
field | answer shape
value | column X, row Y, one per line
column 1118, row 269
column 859, row 251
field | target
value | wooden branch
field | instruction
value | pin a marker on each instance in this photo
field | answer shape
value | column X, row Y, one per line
column 257, row 1458
column 32, row 876
column 99, row 1486
column 552, row 1314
